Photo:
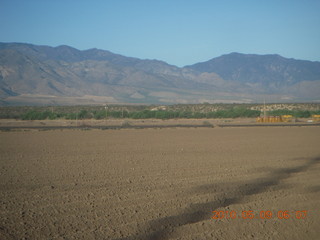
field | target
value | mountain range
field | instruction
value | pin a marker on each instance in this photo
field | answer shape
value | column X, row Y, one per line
column 43, row 75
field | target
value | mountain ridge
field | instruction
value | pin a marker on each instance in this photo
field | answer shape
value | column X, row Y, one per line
column 28, row 71
column 253, row 62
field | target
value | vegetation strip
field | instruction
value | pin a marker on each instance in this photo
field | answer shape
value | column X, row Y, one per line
column 188, row 111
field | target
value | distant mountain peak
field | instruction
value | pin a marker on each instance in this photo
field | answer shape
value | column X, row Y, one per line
column 63, row 47
column 268, row 68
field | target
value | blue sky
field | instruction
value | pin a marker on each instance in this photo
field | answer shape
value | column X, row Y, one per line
column 180, row 32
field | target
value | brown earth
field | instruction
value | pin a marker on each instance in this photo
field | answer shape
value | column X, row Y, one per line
column 119, row 122
column 12, row 123
column 160, row 183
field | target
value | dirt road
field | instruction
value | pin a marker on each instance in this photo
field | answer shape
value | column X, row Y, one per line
column 202, row 183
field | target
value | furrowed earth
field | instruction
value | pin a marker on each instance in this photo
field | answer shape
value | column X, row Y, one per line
column 160, row 183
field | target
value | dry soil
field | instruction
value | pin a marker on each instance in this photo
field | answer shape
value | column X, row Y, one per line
column 160, row 183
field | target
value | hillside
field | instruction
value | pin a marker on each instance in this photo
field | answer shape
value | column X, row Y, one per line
column 264, row 69
column 37, row 75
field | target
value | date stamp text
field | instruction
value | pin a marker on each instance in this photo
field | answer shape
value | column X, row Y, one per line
column 281, row 214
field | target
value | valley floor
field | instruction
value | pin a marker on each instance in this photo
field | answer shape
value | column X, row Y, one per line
column 160, row 183
column 12, row 123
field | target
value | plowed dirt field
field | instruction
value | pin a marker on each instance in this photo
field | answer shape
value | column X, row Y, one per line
column 208, row 183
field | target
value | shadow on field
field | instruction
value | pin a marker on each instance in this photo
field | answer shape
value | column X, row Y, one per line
column 162, row 228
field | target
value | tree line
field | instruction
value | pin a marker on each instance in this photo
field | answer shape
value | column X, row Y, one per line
column 143, row 113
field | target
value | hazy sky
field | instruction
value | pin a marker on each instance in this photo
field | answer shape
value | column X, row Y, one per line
column 180, row 32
